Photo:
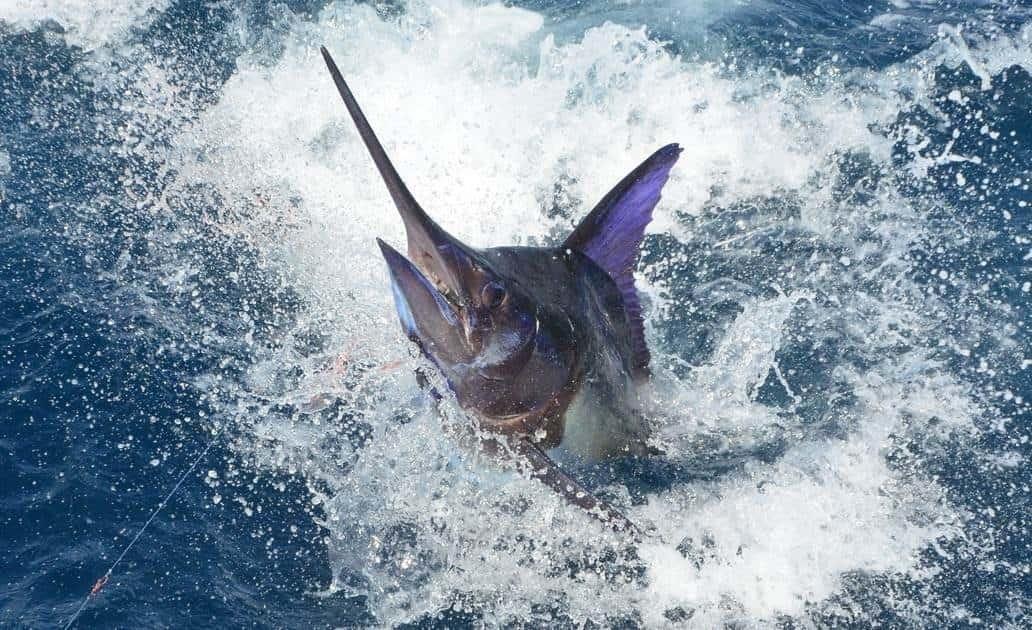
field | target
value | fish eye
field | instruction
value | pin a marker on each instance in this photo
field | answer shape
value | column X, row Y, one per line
column 492, row 295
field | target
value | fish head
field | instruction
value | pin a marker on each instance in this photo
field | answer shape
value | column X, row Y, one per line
column 458, row 309
column 481, row 330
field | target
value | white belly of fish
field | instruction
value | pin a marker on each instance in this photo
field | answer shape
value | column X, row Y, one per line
column 595, row 431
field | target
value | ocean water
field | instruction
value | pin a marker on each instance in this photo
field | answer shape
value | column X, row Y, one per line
column 837, row 289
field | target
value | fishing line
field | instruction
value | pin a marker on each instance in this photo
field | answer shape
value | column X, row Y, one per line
column 102, row 581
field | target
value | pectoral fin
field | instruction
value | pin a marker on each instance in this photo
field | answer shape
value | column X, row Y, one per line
column 546, row 471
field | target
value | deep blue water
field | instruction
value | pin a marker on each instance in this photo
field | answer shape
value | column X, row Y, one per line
column 107, row 365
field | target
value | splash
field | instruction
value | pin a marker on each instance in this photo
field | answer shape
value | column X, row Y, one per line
column 483, row 127
column 804, row 397
column 86, row 25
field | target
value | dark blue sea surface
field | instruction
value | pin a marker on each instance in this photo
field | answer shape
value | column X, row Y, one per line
column 838, row 292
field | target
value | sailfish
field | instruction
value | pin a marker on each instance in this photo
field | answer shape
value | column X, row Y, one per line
column 544, row 346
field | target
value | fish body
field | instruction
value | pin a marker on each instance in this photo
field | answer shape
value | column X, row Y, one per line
column 544, row 346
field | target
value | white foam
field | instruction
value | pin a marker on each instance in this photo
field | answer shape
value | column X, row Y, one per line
column 776, row 538
column 482, row 111
column 87, row 24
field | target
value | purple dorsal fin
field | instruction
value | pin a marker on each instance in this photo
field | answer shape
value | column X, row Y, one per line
column 611, row 234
